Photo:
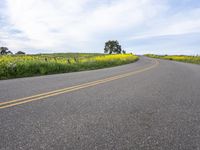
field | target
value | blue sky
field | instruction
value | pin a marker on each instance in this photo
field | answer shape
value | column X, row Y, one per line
column 141, row 26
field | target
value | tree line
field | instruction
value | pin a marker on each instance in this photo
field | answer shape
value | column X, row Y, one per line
column 6, row 51
column 111, row 47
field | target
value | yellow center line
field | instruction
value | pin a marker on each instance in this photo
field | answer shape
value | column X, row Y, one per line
column 42, row 96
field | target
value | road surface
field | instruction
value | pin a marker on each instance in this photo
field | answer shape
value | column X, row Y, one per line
column 149, row 104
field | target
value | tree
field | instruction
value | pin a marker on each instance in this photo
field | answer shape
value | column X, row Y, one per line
column 112, row 47
column 20, row 53
column 123, row 51
column 4, row 51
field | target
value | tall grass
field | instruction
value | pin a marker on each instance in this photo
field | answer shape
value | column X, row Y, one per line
column 15, row 66
column 182, row 58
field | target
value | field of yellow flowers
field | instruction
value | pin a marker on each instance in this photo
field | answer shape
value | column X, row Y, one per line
column 182, row 58
column 15, row 66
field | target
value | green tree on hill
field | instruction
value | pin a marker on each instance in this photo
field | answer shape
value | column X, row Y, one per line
column 112, row 47
column 20, row 53
column 4, row 51
column 123, row 52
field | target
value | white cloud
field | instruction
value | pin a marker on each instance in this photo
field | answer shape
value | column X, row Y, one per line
column 84, row 25
column 61, row 24
column 177, row 24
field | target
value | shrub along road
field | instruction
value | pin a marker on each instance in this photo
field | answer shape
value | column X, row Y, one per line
column 143, row 105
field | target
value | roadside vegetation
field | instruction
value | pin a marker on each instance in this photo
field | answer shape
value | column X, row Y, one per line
column 182, row 58
column 15, row 66
column 22, row 65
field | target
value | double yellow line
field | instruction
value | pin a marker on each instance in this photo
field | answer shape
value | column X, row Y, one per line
column 42, row 96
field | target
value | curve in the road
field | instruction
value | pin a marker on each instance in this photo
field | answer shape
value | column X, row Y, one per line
column 42, row 96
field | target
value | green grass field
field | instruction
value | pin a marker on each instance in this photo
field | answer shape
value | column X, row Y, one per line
column 182, row 58
column 15, row 66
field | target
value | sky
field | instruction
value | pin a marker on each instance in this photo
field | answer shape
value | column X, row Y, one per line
column 140, row 26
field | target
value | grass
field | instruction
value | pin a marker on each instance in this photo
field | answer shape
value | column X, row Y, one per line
column 181, row 58
column 16, row 66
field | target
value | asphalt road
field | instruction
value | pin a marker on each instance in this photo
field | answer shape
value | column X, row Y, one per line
column 155, row 108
